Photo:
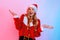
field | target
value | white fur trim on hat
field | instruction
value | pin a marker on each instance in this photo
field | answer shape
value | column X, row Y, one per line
column 34, row 7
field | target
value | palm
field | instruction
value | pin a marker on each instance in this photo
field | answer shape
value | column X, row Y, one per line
column 12, row 13
column 47, row 26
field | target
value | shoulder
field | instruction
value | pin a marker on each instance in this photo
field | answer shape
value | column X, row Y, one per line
column 38, row 20
column 23, row 15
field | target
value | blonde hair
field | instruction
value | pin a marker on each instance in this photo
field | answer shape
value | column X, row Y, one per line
column 34, row 20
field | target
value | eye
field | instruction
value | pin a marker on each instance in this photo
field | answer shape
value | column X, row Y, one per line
column 29, row 9
column 32, row 8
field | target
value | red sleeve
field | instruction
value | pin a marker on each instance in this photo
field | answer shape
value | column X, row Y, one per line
column 39, row 26
column 38, row 32
column 18, row 22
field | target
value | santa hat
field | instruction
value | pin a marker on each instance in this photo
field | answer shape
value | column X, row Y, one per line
column 34, row 6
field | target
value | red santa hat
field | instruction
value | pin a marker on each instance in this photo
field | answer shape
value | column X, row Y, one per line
column 34, row 6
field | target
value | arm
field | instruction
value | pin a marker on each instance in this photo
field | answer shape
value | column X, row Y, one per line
column 47, row 26
column 38, row 29
column 16, row 20
column 19, row 22
column 12, row 13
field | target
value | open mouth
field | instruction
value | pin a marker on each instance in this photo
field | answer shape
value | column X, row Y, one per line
column 30, row 13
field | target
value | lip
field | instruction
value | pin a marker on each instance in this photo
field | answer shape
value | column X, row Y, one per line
column 30, row 13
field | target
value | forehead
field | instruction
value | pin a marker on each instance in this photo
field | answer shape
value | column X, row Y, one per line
column 30, row 8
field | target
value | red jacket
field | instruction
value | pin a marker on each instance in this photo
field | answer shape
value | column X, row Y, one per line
column 22, row 28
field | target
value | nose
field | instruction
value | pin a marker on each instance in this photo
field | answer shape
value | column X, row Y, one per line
column 30, row 12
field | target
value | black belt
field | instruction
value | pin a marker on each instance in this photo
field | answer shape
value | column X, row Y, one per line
column 25, row 38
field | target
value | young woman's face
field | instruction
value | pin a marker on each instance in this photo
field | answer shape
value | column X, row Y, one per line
column 30, row 11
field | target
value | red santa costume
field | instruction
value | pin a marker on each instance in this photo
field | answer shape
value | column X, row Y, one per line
column 21, row 26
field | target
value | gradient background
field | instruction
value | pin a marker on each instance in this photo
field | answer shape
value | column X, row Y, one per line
column 48, row 13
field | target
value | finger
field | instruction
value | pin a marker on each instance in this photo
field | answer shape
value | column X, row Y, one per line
column 10, row 11
column 51, row 27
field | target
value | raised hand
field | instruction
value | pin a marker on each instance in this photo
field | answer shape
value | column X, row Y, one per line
column 12, row 12
column 47, row 26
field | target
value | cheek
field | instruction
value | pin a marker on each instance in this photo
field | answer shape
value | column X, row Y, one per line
column 28, row 11
column 32, row 14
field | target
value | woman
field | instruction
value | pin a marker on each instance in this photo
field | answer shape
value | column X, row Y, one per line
column 28, row 24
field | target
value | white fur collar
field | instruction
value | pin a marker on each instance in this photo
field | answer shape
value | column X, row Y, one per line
column 25, row 20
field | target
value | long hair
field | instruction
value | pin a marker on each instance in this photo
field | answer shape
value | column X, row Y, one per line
column 34, row 20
